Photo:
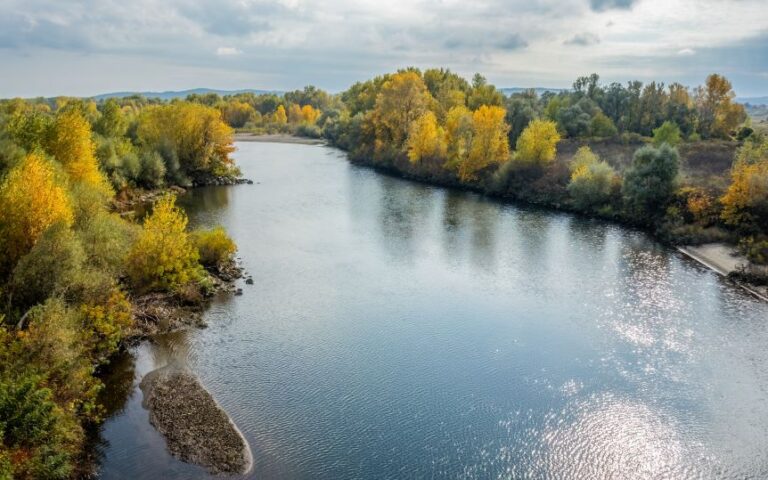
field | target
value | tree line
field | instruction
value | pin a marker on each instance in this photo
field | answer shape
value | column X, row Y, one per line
column 438, row 126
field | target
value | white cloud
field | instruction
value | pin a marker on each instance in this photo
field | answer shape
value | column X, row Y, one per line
column 228, row 51
column 336, row 42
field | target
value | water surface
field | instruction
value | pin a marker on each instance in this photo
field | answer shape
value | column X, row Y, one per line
column 398, row 330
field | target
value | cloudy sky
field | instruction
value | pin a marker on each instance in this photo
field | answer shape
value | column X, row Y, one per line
column 56, row 47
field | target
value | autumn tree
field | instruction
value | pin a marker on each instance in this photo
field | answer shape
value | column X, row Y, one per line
column 490, row 144
column 309, row 114
column 537, row 144
column 214, row 246
column 71, row 145
column 745, row 203
column 592, row 181
column 403, row 99
column 718, row 112
column 237, row 113
column 31, row 199
column 280, row 117
column 425, row 139
column 164, row 257
column 294, row 113
column 458, row 135
column 192, row 138
column 448, row 89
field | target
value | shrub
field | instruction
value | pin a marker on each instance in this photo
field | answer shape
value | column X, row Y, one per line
column 745, row 203
column 668, row 133
column 755, row 249
column 152, row 170
column 602, row 126
column 214, row 246
column 49, row 268
column 106, row 321
column 309, row 131
column 54, row 343
column 650, row 182
column 107, row 238
column 163, row 257
column 592, row 185
column 36, row 441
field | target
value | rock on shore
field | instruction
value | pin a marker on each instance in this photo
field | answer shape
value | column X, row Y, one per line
column 195, row 427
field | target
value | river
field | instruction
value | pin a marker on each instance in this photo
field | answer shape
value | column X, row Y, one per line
column 398, row 330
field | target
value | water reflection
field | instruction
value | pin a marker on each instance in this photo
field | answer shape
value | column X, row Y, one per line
column 398, row 330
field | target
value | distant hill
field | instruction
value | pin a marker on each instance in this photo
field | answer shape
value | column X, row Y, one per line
column 539, row 90
column 171, row 94
column 753, row 100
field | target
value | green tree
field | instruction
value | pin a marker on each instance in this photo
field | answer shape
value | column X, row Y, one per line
column 112, row 122
column 650, row 182
column 668, row 133
column 50, row 268
column 602, row 126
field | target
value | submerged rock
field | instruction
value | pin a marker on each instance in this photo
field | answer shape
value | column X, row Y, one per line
column 195, row 427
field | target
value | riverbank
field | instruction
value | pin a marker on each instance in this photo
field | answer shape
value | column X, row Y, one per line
column 725, row 260
column 278, row 138
column 718, row 256
column 197, row 430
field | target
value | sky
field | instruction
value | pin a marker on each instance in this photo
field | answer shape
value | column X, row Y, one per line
column 87, row 47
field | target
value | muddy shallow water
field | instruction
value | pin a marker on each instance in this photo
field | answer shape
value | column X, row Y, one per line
column 397, row 330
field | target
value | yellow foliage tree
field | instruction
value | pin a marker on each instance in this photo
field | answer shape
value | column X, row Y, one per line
column 164, row 257
column 31, row 200
column 294, row 113
column 718, row 111
column 71, row 144
column 196, row 133
column 280, row 117
column 537, row 145
column 745, row 203
column 425, row 139
column 458, row 135
column 237, row 113
column 403, row 99
column 583, row 158
column 489, row 141
column 309, row 114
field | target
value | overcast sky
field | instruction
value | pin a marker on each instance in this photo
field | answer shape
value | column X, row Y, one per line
column 64, row 47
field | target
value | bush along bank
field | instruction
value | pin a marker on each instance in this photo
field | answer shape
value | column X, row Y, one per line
column 77, row 279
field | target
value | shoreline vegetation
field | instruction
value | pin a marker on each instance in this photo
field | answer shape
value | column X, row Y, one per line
column 689, row 166
column 81, row 276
